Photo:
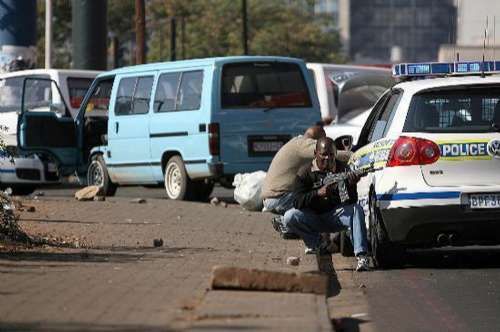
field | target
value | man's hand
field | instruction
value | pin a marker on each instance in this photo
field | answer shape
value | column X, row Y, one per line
column 326, row 190
column 352, row 177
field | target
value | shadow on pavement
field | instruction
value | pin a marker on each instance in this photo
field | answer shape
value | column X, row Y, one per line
column 347, row 324
column 325, row 265
column 455, row 258
column 77, row 327
column 111, row 255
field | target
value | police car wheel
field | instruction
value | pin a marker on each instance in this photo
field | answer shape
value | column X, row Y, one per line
column 384, row 253
column 177, row 183
column 97, row 175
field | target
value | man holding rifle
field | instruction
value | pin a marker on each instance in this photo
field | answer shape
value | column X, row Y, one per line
column 323, row 206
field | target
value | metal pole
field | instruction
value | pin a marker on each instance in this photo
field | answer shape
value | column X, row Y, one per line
column 140, row 27
column 48, row 34
column 245, row 33
column 173, row 35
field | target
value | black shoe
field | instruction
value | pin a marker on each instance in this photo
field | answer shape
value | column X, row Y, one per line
column 289, row 236
column 276, row 222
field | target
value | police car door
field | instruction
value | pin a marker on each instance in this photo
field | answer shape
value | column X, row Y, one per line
column 373, row 145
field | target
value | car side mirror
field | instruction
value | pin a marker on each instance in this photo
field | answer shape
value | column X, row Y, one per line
column 344, row 143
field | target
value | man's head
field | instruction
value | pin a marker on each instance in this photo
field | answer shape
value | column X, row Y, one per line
column 315, row 132
column 325, row 153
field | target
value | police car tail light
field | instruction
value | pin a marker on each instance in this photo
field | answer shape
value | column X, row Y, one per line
column 408, row 151
column 214, row 139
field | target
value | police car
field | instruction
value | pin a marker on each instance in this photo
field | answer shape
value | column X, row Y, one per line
column 436, row 136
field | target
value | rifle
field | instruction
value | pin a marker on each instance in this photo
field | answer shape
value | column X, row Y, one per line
column 340, row 178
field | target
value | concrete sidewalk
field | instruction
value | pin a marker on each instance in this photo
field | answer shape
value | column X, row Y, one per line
column 123, row 283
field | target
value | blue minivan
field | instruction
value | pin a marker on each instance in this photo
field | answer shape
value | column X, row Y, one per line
column 183, row 124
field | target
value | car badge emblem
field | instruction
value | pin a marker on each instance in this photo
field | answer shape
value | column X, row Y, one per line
column 493, row 148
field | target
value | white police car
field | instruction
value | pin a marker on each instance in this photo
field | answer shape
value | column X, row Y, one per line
column 438, row 141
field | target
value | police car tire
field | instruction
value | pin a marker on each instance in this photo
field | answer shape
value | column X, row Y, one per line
column 108, row 188
column 384, row 253
column 178, row 185
column 346, row 248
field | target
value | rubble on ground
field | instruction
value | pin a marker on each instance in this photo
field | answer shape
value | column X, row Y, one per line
column 87, row 193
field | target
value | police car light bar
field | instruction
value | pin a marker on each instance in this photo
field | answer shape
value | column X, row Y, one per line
column 409, row 70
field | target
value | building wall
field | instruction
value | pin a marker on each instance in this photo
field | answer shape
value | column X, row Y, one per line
column 415, row 28
column 472, row 22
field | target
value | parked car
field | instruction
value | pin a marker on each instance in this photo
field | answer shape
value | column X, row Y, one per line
column 26, row 171
column 438, row 141
column 345, row 91
column 183, row 124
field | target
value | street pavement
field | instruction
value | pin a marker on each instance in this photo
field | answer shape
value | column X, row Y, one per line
column 123, row 283
column 118, row 281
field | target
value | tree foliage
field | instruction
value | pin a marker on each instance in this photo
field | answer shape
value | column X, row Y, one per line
column 207, row 28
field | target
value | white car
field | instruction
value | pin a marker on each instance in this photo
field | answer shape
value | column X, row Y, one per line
column 24, row 172
column 345, row 91
column 437, row 142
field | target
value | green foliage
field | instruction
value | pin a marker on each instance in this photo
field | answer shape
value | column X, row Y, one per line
column 207, row 28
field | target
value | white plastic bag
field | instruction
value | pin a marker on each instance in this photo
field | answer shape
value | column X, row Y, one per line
column 248, row 187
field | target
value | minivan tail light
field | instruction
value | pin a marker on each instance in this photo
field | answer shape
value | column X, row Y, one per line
column 214, row 139
column 408, row 151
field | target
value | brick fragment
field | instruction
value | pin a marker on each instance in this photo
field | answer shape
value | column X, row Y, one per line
column 262, row 280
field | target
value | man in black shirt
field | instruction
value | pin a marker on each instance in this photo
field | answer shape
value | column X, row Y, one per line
column 321, row 210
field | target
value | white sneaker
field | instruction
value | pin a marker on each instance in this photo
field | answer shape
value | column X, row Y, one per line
column 311, row 251
column 363, row 263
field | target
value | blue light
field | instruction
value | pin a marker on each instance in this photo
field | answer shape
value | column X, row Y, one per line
column 445, row 68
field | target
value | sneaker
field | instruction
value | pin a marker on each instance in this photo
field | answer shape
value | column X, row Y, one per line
column 276, row 222
column 363, row 264
column 311, row 251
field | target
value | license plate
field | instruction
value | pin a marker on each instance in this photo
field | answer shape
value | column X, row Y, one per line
column 266, row 146
column 484, row 201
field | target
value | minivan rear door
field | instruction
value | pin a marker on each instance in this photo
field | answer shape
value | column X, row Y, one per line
column 45, row 123
column 262, row 105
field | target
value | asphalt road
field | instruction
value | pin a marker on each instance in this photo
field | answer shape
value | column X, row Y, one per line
column 438, row 290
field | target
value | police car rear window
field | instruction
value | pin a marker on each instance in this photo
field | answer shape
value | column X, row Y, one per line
column 473, row 109
column 263, row 85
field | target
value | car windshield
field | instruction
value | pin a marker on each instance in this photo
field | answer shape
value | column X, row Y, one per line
column 263, row 85
column 472, row 109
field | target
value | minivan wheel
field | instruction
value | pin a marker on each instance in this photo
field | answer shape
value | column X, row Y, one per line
column 177, row 183
column 97, row 175
column 385, row 254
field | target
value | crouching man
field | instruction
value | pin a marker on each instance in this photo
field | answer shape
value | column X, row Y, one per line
column 321, row 210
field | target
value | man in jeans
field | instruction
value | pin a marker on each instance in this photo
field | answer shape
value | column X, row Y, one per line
column 280, row 182
column 320, row 210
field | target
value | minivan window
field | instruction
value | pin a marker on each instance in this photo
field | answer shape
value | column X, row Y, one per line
column 166, row 92
column 98, row 103
column 471, row 109
column 189, row 96
column 77, row 87
column 263, row 84
column 133, row 95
